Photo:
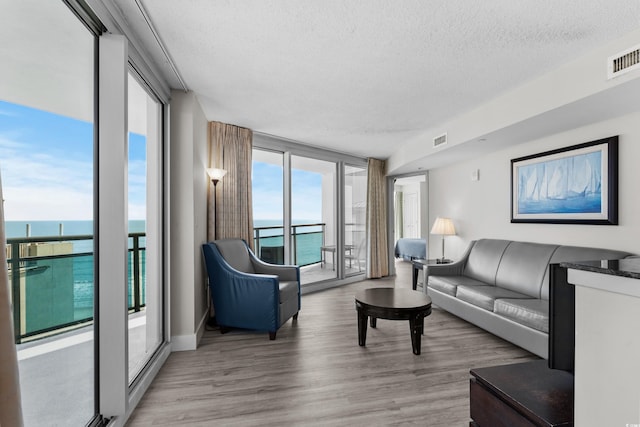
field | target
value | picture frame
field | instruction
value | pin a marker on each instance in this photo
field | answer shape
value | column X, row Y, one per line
column 571, row 185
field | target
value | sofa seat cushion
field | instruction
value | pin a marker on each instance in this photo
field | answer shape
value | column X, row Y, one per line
column 449, row 284
column 533, row 313
column 288, row 290
column 485, row 296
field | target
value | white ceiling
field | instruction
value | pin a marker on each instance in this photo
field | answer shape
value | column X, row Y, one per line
column 365, row 77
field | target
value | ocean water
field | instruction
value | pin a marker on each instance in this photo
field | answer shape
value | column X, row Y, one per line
column 308, row 239
column 69, row 282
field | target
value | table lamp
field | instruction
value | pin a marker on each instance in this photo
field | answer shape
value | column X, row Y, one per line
column 443, row 227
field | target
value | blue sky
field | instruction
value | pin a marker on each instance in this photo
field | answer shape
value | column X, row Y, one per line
column 46, row 162
column 268, row 197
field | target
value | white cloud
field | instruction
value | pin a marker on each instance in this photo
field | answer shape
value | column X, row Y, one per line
column 51, row 203
column 38, row 186
column 41, row 186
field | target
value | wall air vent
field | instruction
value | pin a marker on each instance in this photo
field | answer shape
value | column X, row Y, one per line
column 440, row 140
column 623, row 62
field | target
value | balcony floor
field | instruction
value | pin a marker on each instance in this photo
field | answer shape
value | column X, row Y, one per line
column 56, row 374
column 318, row 272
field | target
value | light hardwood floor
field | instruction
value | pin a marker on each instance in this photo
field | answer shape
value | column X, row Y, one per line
column 315, row 374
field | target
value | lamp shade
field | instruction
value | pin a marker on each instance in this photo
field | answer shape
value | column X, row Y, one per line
column 443, row 226
column 216, row 174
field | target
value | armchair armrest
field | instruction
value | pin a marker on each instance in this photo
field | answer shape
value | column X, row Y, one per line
column 251, row 300
column 288, row 273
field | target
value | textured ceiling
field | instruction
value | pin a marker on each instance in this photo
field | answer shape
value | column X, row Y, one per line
column 363, row 77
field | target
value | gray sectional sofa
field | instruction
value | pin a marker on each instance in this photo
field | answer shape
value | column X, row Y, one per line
column 503, row 287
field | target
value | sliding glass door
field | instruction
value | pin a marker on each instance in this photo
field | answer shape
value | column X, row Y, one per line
column 355, row 209
column 308, row 210
column 52, row 164
column 47, row 165
column 313, row 218
column 268, row 206
column 144, row 285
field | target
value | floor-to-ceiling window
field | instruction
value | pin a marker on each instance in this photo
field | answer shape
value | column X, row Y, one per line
column 355, row 207
column 268, row 205
column 47, row 165
column 314, row 226
column 52, row 167
column 144, row 285
column 308, row 209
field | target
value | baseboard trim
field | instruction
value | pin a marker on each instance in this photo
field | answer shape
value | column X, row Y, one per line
column 321, row 286
column 190, row 341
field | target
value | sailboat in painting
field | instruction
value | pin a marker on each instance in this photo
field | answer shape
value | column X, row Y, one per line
column 565, row 185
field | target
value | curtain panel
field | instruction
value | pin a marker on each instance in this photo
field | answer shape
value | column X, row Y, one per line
column 377, row 244
column 230, row 211
column 10, row 402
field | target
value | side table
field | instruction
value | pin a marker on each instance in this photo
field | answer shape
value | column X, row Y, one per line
column 419, row 263
column 521, row 395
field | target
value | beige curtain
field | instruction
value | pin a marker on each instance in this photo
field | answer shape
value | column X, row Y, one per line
column 230, row 149
column 377, row 246
column 10, row 404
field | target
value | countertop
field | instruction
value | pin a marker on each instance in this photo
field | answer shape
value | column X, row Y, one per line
column 628, row 267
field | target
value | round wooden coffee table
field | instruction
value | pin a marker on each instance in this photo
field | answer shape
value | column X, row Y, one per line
column 393, row 304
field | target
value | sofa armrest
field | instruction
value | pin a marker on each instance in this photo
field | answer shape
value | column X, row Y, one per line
column 453, row 269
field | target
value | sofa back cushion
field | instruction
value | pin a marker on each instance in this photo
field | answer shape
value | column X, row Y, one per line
column 577, row 253
column 484, row 259
column 523, row 266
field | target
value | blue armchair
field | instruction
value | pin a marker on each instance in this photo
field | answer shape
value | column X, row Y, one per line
column 248, row 293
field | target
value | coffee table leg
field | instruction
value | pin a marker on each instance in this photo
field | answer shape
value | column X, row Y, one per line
column 372, row 321
column 416, row 324
column 362, row 327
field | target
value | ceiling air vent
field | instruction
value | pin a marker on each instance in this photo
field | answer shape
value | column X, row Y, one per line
column 440, row 140
column 623, row 62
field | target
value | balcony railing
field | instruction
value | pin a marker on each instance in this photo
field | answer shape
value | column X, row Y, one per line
column 307, row 239
column 52, row 282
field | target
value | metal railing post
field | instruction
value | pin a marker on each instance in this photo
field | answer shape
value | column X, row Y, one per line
column 136, row 273
column 295, row 244
column 257, row 237
column 16, row 294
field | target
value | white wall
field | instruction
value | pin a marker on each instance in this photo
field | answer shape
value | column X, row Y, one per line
column 607, row 346
column 481, row 209
column 188, row 152
column 201, row 184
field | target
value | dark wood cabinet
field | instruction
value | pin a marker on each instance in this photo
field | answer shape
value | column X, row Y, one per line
column 522, row 394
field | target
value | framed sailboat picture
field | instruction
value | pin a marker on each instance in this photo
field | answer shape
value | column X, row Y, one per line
column 571, row 185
